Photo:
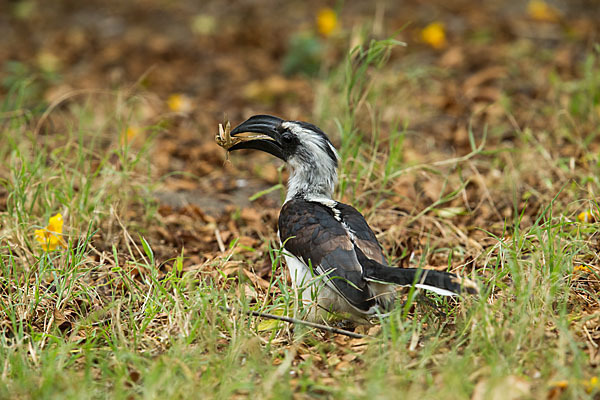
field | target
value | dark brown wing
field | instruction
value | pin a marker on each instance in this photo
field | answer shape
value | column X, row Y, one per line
column 364, row 238
column 317, row 234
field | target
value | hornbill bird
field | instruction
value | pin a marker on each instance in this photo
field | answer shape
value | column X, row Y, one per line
column 333, row 256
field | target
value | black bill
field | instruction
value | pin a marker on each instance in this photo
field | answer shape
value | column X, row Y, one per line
column 260, row 132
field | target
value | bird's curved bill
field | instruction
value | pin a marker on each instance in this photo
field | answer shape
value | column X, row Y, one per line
column 258, row 132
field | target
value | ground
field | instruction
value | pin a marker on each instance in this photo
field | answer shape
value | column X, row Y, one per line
column 469, row 135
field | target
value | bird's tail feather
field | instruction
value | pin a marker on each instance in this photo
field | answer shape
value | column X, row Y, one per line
column 443, row 283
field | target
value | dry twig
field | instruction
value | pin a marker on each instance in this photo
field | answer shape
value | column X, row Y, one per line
column 301, row 322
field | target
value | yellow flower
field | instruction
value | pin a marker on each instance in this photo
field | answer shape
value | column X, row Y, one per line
column 582, row 268
column 327, row 21
column 51, row 236
column 129, row 134
column 592, row 384
column 542, row 11
column 560, row 384
column 180, row 103
column 586, row 216
column 434, row 35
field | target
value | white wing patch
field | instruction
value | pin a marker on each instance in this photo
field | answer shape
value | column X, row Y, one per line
column 329, row 203
column 336, row 213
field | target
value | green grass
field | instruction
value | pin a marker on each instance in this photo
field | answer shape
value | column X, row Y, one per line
column 107, row 317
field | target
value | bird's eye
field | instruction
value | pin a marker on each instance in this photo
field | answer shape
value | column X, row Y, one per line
column 287, row 137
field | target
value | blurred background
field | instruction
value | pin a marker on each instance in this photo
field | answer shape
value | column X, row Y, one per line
column 236, row 58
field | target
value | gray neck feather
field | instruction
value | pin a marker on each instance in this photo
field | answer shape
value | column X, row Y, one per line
column 311, row 179
column 313, row 165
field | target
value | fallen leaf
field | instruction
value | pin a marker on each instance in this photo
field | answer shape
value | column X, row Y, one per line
column 509, row 388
